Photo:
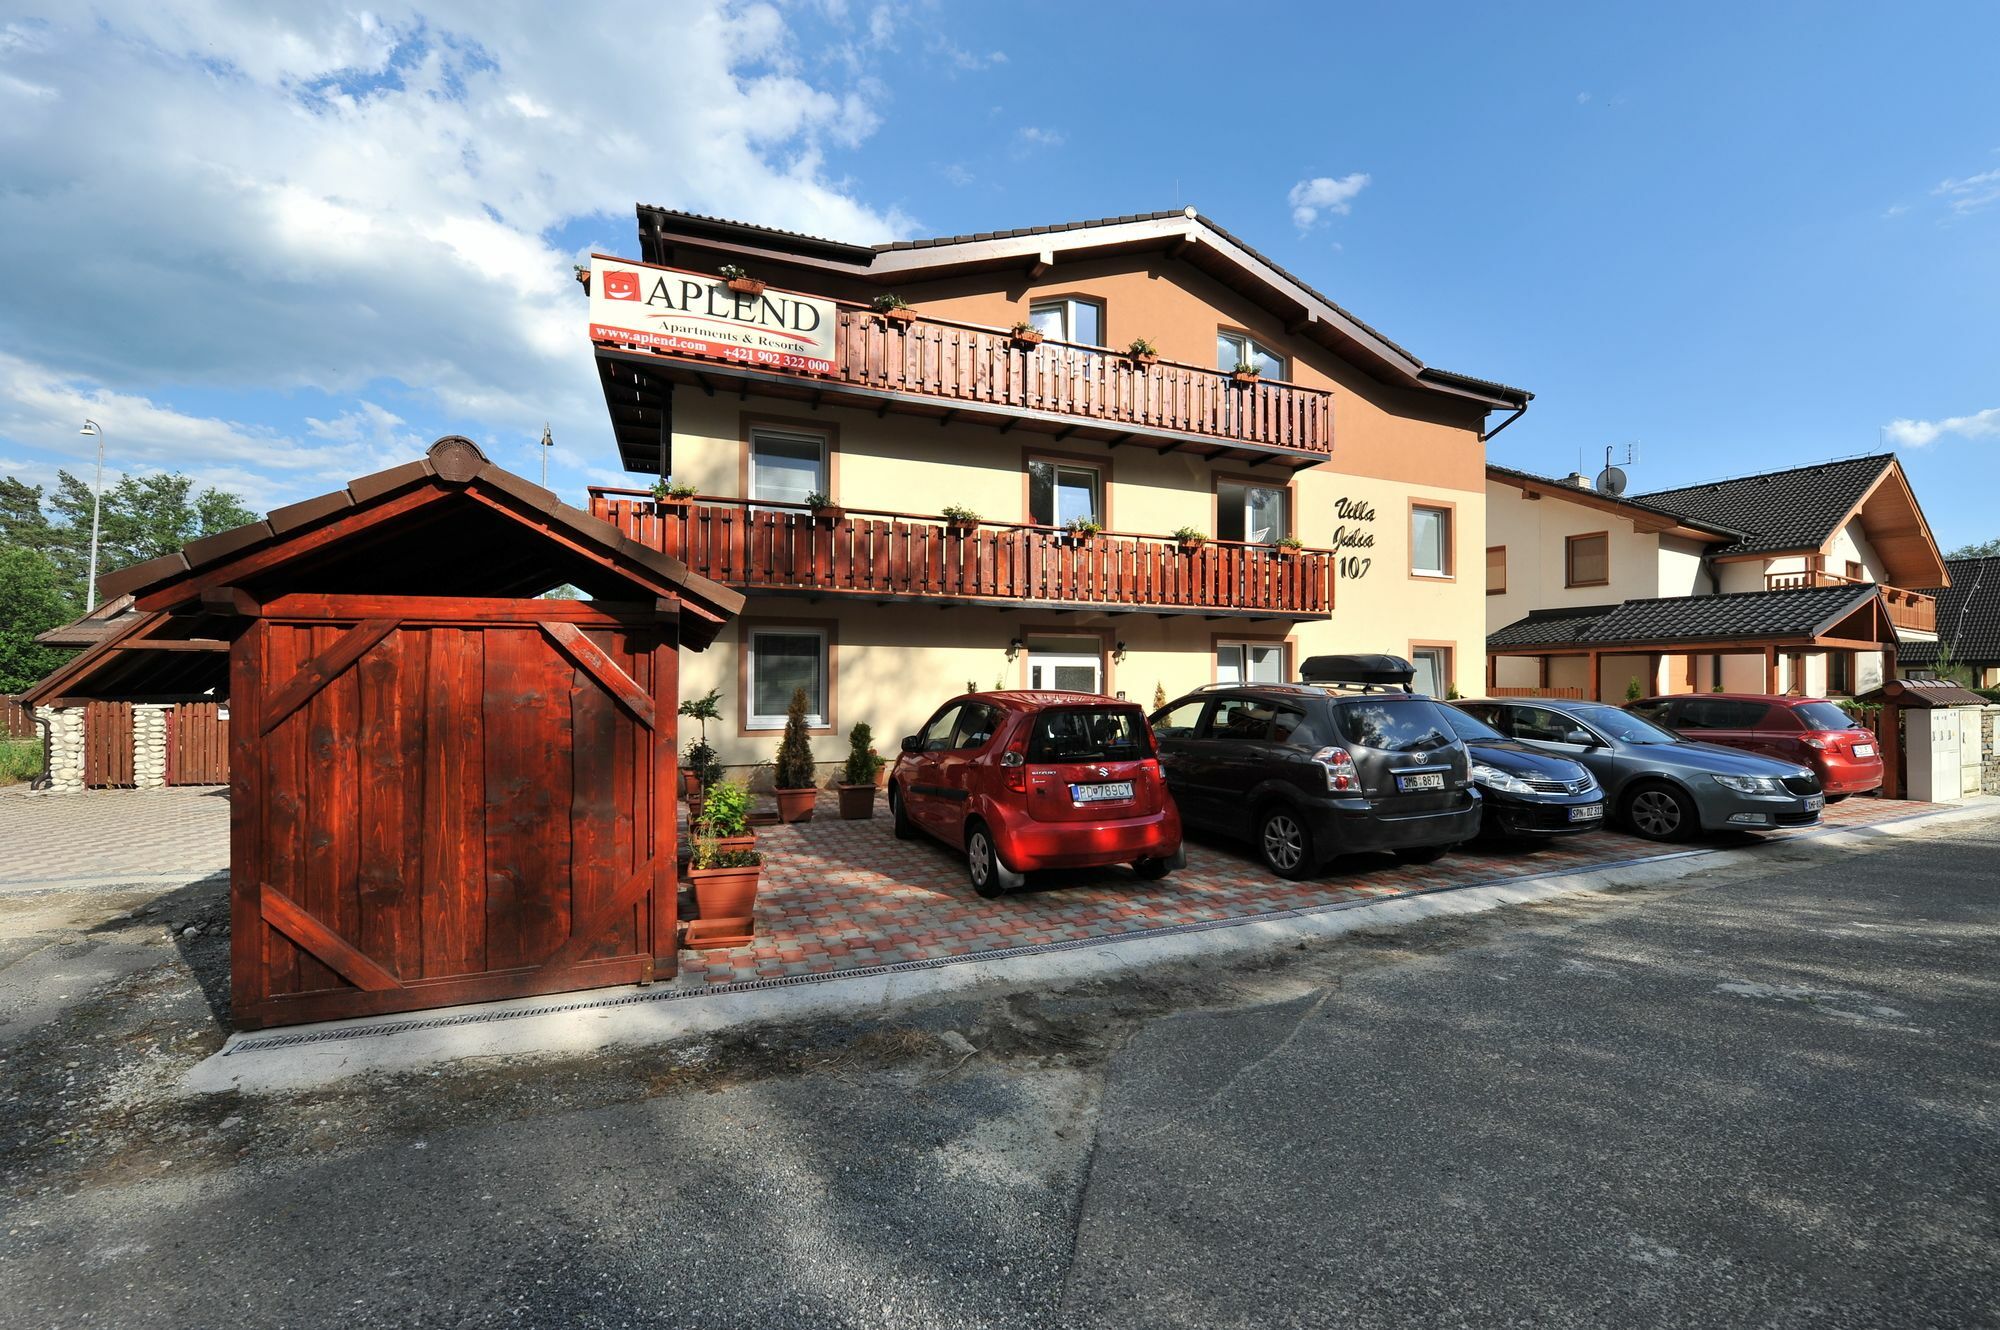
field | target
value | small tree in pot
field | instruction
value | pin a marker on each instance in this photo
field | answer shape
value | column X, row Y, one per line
column 857, row 786
column 699, row 767
column 725, row 869
column 793, row 775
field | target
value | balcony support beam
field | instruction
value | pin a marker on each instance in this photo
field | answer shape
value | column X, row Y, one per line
column 702, row 381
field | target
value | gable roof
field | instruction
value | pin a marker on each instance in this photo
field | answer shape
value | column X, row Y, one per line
column 1183, row 233
column 1642, row 516
column 1801, row 613
column 1968, row 615
column 1798, row 508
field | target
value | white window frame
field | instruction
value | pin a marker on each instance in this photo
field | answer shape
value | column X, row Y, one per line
column 1065, row 306
column 1244, row 344
column 1243, row 650
column 1441, row 666
column 762, row 432
column 815, row 720
column 1096, row 475
column 1446, row 536
column 1284, row 494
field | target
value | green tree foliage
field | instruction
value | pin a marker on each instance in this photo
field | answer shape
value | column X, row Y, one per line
column 1980, row 550
column 143, row 518
column 30, row 603
column 795, row 754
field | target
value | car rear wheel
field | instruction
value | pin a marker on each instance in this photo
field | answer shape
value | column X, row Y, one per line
column 1661, row 812
column 900, row 816
column 1151, row 870
column 1423, row 854
column 1285, row 843
column 989, row 876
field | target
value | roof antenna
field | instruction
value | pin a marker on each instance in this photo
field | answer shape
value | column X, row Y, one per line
column 1612, row 480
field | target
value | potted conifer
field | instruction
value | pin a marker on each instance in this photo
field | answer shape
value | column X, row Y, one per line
column 793, row 771
column 857, row 786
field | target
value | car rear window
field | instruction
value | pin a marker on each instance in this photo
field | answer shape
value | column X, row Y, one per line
column 1824, row 716
column 1089, row 734
column 1394, row 724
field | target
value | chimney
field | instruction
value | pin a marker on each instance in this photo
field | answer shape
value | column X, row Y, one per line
column 1577, row 480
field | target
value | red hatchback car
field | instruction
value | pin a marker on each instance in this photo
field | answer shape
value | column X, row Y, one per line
column 1022, row 781
column 1808, row 730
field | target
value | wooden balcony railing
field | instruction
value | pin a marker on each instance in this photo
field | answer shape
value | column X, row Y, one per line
column 1907, row 609
column 787, row 547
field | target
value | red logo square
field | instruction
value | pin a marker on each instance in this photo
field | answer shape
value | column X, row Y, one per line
column 621, row 286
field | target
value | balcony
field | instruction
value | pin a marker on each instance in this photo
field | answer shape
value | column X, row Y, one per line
column 891, row 556
column 1907, row 609
column 960, row 371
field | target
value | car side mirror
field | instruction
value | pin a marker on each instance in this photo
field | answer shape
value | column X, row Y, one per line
column 912, row 744
column 1581, row 737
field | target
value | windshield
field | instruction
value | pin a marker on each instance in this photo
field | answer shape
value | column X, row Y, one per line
column 1824, row 716
column 1470, row 728
column 1623, row 726
column 1394, row 726
column 1090, row 734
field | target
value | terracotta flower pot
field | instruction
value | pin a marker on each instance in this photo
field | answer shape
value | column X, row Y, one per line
column 690, row 784
column 746, row 286
column 1242, row 376
column 829, row 513
column 796, row 805
column 902, row 314
column 1026, row 338
column 725, row 893
column 857, row 802
column 1144, row 358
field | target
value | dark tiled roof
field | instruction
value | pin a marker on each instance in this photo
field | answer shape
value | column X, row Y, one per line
column 1803, row 612
column 1968, row 615
column 1798, row 508
column 860, row 253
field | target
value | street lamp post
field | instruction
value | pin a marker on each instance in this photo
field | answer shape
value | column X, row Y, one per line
column 548, row 442
column 91, row 429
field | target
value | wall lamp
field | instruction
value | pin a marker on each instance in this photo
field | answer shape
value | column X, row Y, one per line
column 1118, row 653
column 1014, row 649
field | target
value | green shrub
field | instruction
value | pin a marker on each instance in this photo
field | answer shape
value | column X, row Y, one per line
column 862, row 760
column 20, row 759
column 725, row 811
column 795, row 755
column 1990, row 694
column 1633, row 692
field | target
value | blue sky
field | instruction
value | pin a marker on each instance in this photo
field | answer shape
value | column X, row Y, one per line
column 297, row 243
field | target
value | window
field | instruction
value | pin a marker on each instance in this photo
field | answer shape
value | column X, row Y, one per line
column 1090, row 734
column 1242, row 718
column 781, row 661
column 1069, row 320
column 1060, row 493
column 1180, row 721
column 1250, row 662
column 1430, row 541
column 936, row 736
column 1840, row 671
column 1587, row 560
column 1854, row 573
column 1389, row 725
column 1253, row 513
column 1433, row 670
column 1233, row 349
column 976, row 723
column 786, row 466
column 1496, row 570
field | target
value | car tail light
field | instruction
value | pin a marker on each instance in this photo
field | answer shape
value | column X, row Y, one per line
column 1814, row 741
column 1014, row 767
column 1339, row 764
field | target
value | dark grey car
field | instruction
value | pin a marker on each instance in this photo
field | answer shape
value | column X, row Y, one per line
column 1659, row 785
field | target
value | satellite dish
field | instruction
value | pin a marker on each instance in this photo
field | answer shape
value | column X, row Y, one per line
column 1611, row 481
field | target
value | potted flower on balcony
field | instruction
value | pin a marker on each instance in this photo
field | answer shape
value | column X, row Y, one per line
column 672, row 493
column 739, row 281
column 1190, row 539
column 824, row 508
column 857, row 786
column 960, row 518
column 724, row 870
column 894, row 308
column 793, row 774
column 1246, row 371
column 1026, row 334
column 1142, row 352
column 1290, row 546
column 1083, row 531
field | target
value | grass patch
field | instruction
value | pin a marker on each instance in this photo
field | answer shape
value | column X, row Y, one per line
column 20, row 759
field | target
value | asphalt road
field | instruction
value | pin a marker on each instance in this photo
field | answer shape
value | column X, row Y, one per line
column 1766, row 1099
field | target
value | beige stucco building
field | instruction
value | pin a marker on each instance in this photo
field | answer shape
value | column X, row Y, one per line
column 1046, row 380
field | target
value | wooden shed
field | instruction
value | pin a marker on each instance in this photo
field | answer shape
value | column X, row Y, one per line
column 444, row 788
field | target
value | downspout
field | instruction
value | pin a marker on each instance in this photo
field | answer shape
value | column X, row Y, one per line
column 1519, row 411
column 1714, row 589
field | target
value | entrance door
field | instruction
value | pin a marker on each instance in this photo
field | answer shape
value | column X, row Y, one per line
column 1065, row 672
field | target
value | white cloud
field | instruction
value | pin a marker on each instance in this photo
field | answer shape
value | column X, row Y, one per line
column 1582, row 97
column 1920, row 433
column 955, row 173
column 1030, row 137
column 1970, row 194
column 958, row 58
column 318, row 198
column 1310, row 198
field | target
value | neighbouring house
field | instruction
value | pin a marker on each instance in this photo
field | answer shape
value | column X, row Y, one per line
column 1786, row 581
column 1130, row 455
column 1968, row 623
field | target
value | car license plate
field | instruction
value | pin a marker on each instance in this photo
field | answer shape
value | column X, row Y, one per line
column 1423, row 780
column 1815, row 802
column 1097, row 794
column 1586, row 813
column 1864, row 750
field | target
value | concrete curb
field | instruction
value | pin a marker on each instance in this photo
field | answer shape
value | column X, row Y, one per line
column 270, row 1062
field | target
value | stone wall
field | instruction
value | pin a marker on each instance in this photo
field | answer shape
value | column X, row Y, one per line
column 1989, row 750
column 149, row 746
column 65, row 746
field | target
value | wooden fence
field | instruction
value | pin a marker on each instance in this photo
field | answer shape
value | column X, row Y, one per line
column 17, row 721
column 107, row 744
column 197, row 744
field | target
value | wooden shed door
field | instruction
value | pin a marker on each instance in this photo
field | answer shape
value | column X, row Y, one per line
column 450, row 812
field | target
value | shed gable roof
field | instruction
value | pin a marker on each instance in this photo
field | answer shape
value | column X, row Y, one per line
column 1799, row 613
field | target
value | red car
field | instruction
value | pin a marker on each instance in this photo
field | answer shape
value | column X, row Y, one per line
column 1023, row 781
column 1808, row 730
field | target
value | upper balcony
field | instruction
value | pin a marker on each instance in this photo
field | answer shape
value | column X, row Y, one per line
column 886, row 556
column 1907, row 609
column 950, row 371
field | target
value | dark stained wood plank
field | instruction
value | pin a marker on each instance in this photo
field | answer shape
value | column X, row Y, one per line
column 388, row 882
column 284, row 772
column 602, row 668
column 453, row 875
column 527, row 724
column 248, row 782
column 335, row 952
column 594, row 865
column 325, row 665
column 326, row 814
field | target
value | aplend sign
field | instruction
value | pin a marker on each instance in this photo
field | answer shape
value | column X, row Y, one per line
column 691, row 313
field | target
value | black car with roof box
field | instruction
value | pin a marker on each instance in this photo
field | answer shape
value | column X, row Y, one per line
column 1348, row 761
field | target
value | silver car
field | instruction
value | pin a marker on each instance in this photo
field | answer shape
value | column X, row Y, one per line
column 1659, row 785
